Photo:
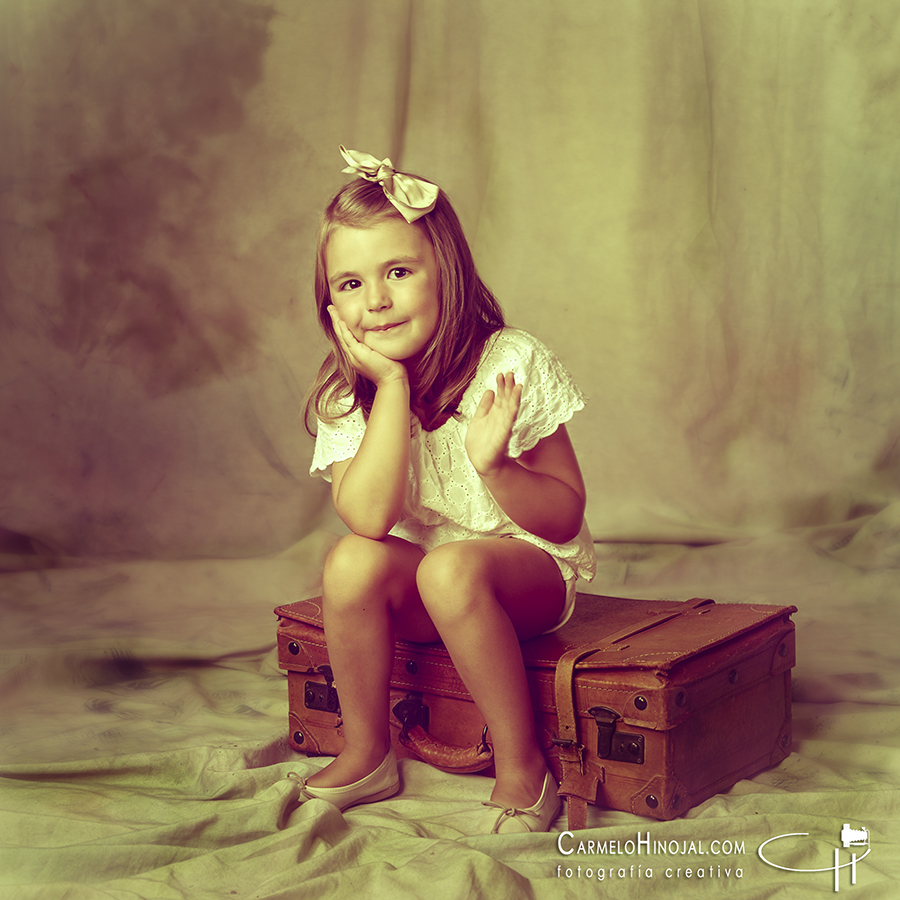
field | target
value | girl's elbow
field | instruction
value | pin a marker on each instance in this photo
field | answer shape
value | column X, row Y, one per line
column 557, row 529
column 568, row 528
column 372, row 525
column 370, row 530
column 562, row 535
column 374, row 530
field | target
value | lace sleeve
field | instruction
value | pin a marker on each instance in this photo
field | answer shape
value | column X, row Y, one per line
column 550, row 396
column 337, row 441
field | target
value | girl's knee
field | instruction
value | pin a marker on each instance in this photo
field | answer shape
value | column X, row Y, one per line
column 353, row 568
column 453, row 580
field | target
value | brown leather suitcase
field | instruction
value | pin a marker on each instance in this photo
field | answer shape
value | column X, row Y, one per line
column 645, row 706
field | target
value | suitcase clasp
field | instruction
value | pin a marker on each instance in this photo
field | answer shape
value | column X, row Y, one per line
column 606, row 725
column 619, row 747
column 411, row 712
column 322, row 697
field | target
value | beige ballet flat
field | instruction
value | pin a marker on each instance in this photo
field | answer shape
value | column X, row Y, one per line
column 500, row 819
column 384, row 782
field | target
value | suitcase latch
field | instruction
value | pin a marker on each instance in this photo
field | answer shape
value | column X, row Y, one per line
column 617, row 746
column 322, row 697
column 411, row 711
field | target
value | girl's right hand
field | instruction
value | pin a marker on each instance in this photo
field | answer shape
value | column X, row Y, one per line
column 368, row 362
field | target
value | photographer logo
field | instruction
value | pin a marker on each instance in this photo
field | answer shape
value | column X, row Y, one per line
column 850, row 838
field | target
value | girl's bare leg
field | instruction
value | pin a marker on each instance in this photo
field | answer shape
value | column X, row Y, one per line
column 484, row 596
column 365, row 584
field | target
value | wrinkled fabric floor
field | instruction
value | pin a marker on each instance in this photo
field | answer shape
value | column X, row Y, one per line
column 145, row 755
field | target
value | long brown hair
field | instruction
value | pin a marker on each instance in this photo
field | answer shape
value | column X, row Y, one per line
column 469, row 314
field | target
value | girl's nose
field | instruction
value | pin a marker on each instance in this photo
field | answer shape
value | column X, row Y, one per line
column 378, row 298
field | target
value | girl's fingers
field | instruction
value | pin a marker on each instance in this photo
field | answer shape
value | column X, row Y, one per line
column 484, row 407
column 340, row 326
column 368, row 362
column 342, row 330
column 337, row 323
column 508, row 392
column 344, row 336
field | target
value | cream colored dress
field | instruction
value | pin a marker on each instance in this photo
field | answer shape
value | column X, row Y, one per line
column 446, row 500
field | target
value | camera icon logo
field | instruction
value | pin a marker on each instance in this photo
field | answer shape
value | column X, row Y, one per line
column 852, row 837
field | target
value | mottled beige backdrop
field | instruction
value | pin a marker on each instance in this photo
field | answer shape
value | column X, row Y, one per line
column 695, row 204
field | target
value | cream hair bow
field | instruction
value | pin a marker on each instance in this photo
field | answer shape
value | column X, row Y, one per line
column 412, row 196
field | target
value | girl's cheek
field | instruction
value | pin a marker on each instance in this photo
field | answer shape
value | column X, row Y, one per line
column 342, row 311
column 352, row 323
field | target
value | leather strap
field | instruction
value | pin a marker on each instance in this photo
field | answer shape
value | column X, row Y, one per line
column 577, row 785
column 671, row 612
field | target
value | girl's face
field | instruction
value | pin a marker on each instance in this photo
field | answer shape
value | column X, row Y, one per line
column 384, row 281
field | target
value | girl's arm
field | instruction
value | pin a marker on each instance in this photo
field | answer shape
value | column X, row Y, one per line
column 542, row 491
column 369, row 490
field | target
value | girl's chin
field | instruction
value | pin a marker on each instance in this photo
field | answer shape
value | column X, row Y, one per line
column 396, row 354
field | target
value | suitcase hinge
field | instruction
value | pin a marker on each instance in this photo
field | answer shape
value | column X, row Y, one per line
column 612, row 745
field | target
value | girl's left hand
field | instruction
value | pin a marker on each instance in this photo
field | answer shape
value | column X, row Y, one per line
column 487, row 438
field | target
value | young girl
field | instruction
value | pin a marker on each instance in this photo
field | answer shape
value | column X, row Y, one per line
column 442, row 433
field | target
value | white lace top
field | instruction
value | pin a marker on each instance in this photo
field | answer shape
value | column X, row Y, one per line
column 446, row 500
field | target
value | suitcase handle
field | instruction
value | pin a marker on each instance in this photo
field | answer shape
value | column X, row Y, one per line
column 447, row 758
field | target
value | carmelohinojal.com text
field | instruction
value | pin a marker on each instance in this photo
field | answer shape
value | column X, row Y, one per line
column 568, row 845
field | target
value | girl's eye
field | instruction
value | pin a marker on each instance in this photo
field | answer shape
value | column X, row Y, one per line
column 350, row 285
column 399, row 272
